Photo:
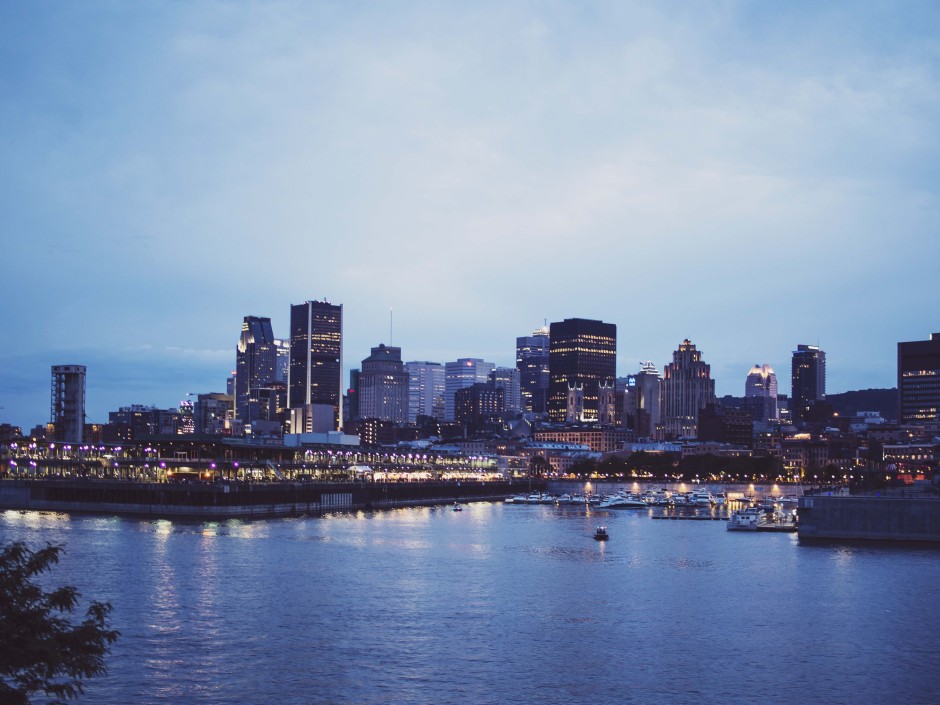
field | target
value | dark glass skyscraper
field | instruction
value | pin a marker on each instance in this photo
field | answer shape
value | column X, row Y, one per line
column 532, row 363
column 582, row 354
column 255, row 363
column 316, row 357
column 919, row 381
column 808, row 381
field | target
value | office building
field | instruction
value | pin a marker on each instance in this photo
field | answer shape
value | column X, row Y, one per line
column 479, row 406
column 919, row 381
column 508, row 379
column 686, row 388
column 462, row 373
column 808, row 381
column 282, row 365
column 582, row 354
column 641, row 401
column 68, row 403
column 255, row 362
column 383, row 386
column 316, row 360
column 532, row 362
column 425, row 390
column 760, row 394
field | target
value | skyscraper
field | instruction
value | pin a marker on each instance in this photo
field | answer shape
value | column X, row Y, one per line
column 641, row 401
column 507, row 379
column 462, row 373
column 808, row 380
column 760, row 393
column 687, row 388
column 316, row 361
column 68, row 403
column 532, row 363
column 383, row 386
column 425, row 390
column 582, row 354
column 919, row 381
column 255, row 363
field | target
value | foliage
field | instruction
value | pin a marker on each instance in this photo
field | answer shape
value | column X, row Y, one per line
column 41, row 651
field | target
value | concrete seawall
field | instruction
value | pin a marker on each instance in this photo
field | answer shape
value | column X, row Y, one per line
column 869, row 518
column 235, row 500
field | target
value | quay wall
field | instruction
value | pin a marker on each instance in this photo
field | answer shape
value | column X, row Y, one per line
column 236, row 500
column 869, row 518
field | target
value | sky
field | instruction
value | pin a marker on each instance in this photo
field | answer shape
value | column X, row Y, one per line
column 748, row 175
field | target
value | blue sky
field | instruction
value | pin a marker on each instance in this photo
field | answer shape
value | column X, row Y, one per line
column 748, row 175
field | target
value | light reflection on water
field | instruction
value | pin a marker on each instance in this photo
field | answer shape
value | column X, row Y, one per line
column 496, row 604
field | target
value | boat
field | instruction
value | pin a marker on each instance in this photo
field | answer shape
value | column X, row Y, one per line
column 702, row 498
column 749, row 519
column 623, row 501
column 457, row 507
column 600, row 534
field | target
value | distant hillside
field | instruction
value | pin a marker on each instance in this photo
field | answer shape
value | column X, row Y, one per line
column 884, row 401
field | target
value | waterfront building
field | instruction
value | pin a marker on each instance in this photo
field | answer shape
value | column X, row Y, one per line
column 760, row 393
column 919, row 381
column 383, row 386
column 255, row 362
column 425, row 390
column 602, row 439
column 67, row 414
column 582, row 354
column 315, row 372
column 687, row 387
column 532, row 352
column 212, row 412
column 808, row 381
column 137, row 421
column 641, row 401
column 508, row 379
column 462, row 373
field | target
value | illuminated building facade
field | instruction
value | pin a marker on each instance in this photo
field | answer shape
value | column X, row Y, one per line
column 508, row 379
column 808, row 380
column 641, row 401
column 532, row 362
column 760, row 393
column 479, row 406
column 383, row 386
column 425, row 390
column 255, row 363
column 919, row 381
column 68, row 402
column 686, row 388
column 582, row 354
column 316, row 361
column 462, row 373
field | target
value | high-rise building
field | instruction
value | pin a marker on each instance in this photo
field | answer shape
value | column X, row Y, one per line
column 383, row 386
column 687, row 387
column 68, row 402
column 808, row 380
column 582, row 354
column 479, row 406
column 507, row 379
column 282, row 348
column 462, row 373
column 641, row 401
column 255, row 362
column 919, row 381
column 760, row 393
column 316, row 362
column 425, row 390
column 532, row 363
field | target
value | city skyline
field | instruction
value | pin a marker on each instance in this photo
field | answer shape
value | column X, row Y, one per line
column 749, row 177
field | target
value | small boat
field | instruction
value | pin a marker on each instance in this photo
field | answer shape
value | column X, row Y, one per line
column 457, row 507
column 750, row 519
column 600, row 534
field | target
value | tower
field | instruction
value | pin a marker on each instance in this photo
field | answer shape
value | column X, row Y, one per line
column 255, row 363
column 687, row 387
column 383, row 386
column 760, row 393
column 316, row 359
column 462, row 373
column 425, row 390
column 582, row 353
column 808, row 381
column 919, row 381
column 68, row 403
column 532, row 363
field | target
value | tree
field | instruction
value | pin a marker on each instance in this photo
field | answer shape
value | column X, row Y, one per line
column 41, row 651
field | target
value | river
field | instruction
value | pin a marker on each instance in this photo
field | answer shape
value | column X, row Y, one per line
column 496, row 604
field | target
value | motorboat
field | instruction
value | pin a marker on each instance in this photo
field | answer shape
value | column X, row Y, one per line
column 457, row 507
column 748, row 519
column 600, row 534
column 623, row 501
column 701, row 498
